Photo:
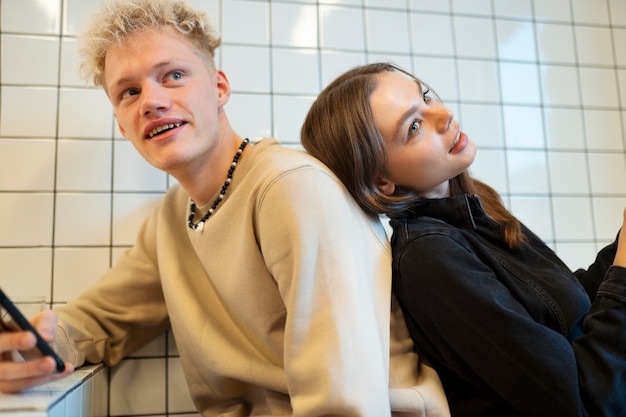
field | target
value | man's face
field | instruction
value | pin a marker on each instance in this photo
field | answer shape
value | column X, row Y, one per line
column 166, row 98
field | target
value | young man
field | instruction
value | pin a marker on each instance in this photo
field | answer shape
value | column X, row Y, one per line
column 275, row 284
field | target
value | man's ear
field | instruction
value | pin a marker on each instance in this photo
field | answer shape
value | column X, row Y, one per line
column 223, row 87
column 385, row 186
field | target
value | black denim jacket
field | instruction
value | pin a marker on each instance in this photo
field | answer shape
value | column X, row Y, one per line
column 511, row 332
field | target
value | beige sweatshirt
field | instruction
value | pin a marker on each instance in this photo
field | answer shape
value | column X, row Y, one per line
column 281, row 306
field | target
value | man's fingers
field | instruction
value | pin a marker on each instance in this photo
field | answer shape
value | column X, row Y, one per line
column 25, row 369
column 46, row 324
column 17, row 341
column 17, row 376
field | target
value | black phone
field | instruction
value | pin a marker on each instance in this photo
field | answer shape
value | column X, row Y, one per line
column 18, row 319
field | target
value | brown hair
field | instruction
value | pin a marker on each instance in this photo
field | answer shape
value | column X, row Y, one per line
column 118, row 19
column 339, row 130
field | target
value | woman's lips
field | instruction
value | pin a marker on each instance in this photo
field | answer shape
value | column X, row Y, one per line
column 459, row 143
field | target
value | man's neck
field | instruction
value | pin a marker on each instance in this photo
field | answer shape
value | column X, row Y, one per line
column 204, row 181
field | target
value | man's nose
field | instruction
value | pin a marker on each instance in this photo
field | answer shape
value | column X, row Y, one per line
column 155, row 100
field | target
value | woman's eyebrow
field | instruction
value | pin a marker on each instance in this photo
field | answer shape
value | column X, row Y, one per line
column 402, row 120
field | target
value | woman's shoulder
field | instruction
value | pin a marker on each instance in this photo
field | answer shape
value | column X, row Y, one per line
column 429, row 236
column 415, row 227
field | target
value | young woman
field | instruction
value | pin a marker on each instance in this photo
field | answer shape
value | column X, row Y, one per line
column 510, row 330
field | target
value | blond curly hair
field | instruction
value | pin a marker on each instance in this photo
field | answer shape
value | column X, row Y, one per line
column 118, row 19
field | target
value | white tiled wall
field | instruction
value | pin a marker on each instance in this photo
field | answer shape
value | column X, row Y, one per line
column 540, row 85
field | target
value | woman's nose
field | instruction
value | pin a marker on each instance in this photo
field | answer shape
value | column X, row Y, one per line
column 442, row 117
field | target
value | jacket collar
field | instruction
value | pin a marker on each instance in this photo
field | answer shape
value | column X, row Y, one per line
column 460, row 211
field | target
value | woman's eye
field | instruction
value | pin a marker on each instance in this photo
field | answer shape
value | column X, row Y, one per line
column 176, row 75
column 426, row 97
column 415, row 127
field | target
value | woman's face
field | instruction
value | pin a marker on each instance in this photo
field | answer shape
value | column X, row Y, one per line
column 425, row 147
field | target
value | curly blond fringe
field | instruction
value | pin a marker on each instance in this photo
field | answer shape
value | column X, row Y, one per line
column 118, row 19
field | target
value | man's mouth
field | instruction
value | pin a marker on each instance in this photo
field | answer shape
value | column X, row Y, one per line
column 164, row 128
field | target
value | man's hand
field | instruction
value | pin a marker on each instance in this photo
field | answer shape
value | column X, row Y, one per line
column 17, row 373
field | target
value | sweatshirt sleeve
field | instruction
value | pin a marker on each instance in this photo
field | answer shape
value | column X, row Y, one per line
column 414, row 387
column 328, row 264
column 123, row 310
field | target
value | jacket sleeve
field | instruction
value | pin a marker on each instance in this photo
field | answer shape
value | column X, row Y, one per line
column 600, row 351
column 463, row 318
column 592, row 277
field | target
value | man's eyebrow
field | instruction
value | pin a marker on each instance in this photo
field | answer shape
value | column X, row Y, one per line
column 126, row 80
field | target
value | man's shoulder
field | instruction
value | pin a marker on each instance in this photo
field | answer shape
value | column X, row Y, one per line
column 298, row 179
column 271, row 161
column 271, row 151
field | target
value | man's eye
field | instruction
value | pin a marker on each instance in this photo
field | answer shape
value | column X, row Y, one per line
column 415, row 127
column 130, row 92
column 176, row 75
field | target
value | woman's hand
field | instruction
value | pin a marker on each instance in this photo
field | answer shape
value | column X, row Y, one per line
column 620, row 256
column 16, row 373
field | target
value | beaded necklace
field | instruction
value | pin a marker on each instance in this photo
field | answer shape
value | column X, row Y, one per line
column 198, row 227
